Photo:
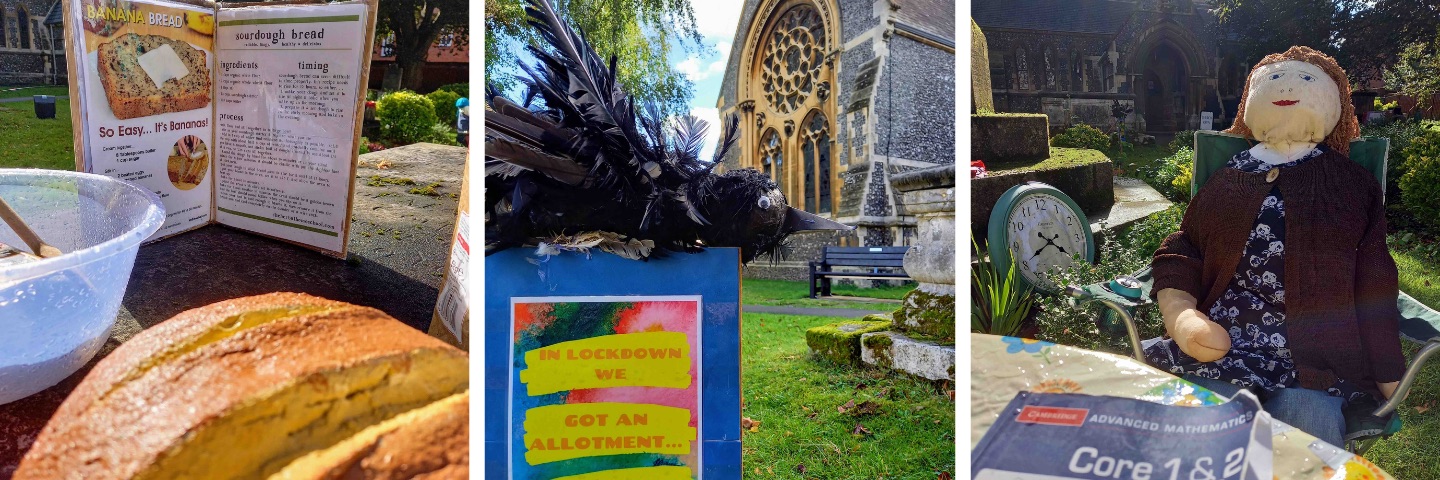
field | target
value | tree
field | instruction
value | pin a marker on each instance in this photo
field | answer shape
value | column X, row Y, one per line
column 416, row 25
column 1416, row 72
column 1261, row 27
column 640, row 33
column 1365, row 36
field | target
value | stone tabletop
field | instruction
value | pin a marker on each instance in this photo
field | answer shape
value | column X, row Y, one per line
column 401, row 223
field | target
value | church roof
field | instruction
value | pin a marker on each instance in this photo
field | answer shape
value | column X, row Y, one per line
column 936, row 17
column 1075, row 16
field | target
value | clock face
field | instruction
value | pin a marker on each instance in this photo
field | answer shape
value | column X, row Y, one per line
column 1045, row 236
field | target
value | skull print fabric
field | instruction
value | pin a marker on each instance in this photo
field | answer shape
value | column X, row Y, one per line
column 1252, row 307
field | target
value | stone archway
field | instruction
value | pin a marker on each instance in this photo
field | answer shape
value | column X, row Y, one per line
column 1165, row 89
column 1162, row 65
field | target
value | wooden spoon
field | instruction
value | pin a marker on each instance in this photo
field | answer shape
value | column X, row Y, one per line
column 37, row 246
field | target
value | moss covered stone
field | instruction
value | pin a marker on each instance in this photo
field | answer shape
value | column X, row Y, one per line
column 878, row 347
column 840, row 342
column 927, row 314
column 1009, row 137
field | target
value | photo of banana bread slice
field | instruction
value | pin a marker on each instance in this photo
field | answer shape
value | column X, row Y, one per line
column 130, row 90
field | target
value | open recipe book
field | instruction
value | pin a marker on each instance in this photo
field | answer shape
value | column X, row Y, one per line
column 244, row 114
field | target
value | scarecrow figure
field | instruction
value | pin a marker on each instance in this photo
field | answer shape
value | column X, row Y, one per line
column 1279, row 280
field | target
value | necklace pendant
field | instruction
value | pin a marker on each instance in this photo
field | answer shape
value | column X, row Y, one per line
column 1274, row 174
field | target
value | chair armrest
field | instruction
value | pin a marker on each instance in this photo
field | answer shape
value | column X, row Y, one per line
column 1411, row 373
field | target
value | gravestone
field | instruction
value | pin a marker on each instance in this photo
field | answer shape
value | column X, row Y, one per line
column 922, row 339
column 981, row 96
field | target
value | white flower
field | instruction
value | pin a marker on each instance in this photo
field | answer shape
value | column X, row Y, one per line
column 1268, row 278
column 1276, row 248
column 1262, row 230
column 1277, row 339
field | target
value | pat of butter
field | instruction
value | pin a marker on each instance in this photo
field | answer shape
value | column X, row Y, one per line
column 163, row 64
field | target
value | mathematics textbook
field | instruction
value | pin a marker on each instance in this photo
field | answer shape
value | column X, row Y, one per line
column 243, row 114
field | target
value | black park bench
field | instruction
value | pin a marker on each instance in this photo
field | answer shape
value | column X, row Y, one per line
column 875, row 259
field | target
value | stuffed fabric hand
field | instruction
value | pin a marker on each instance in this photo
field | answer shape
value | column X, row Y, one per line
column 1194, row 332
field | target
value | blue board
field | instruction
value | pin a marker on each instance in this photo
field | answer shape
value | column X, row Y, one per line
column 614, row 365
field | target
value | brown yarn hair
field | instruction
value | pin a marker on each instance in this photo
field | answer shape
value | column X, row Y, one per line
column 1345, row 130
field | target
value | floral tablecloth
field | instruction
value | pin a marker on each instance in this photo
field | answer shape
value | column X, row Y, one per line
column 1002, row 366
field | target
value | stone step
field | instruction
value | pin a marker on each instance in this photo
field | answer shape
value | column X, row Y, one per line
column 840, row 342
column 1134, row 200
column 897, row 351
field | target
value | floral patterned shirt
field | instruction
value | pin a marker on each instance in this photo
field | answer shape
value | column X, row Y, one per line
column 1252, row 307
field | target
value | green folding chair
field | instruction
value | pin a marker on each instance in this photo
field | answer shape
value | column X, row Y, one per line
column 1418, row 323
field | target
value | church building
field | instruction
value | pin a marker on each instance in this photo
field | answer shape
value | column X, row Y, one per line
column 836, row 96
column 1078, row 60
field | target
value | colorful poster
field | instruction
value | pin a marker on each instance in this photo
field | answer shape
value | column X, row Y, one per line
column 605, row 383
column 598, row 367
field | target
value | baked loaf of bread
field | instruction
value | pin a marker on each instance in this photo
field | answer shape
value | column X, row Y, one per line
column 244, row 388
column 129, row 89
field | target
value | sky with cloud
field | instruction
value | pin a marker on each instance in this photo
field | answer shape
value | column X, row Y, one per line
column 716, row 21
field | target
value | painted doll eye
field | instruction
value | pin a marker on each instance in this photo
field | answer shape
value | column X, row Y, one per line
column 1274, row 76
column 1307, row 78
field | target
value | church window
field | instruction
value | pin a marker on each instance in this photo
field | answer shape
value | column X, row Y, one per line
column 24, row 21
column 1022, row 70
column 816, row 150
column 770, row 153
column 794, row 51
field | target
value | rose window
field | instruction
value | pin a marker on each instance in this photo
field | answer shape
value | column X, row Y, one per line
column 794, row 52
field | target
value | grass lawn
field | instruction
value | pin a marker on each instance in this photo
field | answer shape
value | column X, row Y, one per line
column 797, row 294
column 802, row 435
column 1412, row 453
column 28, row 142
column 13, row 92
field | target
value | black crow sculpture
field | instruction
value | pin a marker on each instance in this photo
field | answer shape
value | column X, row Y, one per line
column 584, row 164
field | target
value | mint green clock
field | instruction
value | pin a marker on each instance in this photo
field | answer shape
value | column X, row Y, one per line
column 1041, row 231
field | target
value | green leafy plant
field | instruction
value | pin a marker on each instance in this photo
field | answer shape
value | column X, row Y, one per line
column 364, row 145
column 442, row 134
column 405, row 117
column 1420, row 185
column 444, row 101
column 1001, row 303
column 1171, row 175
column 461, row 89
column 1183, row 139
column 1081, row 136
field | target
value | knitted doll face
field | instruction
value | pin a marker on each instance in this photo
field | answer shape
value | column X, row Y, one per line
column 1292, row 101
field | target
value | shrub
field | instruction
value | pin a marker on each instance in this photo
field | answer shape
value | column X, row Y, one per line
column 1061, row 323
column 461, row 89
column 444, row 101
column 405, row 117
column 1171, row 175
column 1420, row 185
column 1081, row 136
column 364, row 145
column 442, row 134
column 1144, row 237
column 1183, row 139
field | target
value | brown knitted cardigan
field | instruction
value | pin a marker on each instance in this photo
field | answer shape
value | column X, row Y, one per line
column 1340, row 281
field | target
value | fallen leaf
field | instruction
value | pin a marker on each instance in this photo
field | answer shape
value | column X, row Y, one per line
column 884, row 393
column 800, row 469
column 950, row 394
column 747, row 422
column 1425, row 407
column 757, row 470
column 860, row 430
column 861, row 386
column 769, row 470
column 848, row 405
column 788, row 433
column 944, row 476
column 383, row 165
column 864, row 408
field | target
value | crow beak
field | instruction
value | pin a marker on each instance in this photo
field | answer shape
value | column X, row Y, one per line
column 802, row 221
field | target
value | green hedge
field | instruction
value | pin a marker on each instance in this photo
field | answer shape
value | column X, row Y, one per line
column 405, row 117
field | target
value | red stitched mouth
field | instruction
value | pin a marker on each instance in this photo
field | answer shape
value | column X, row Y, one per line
column 1285, row 103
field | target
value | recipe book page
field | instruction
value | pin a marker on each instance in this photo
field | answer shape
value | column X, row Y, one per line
column 287, row 83
column 142, row 100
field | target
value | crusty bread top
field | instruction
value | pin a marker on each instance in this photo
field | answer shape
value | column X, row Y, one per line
column 122, row 57
column 117, row 430
column 171, row 336
column 428, row 442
